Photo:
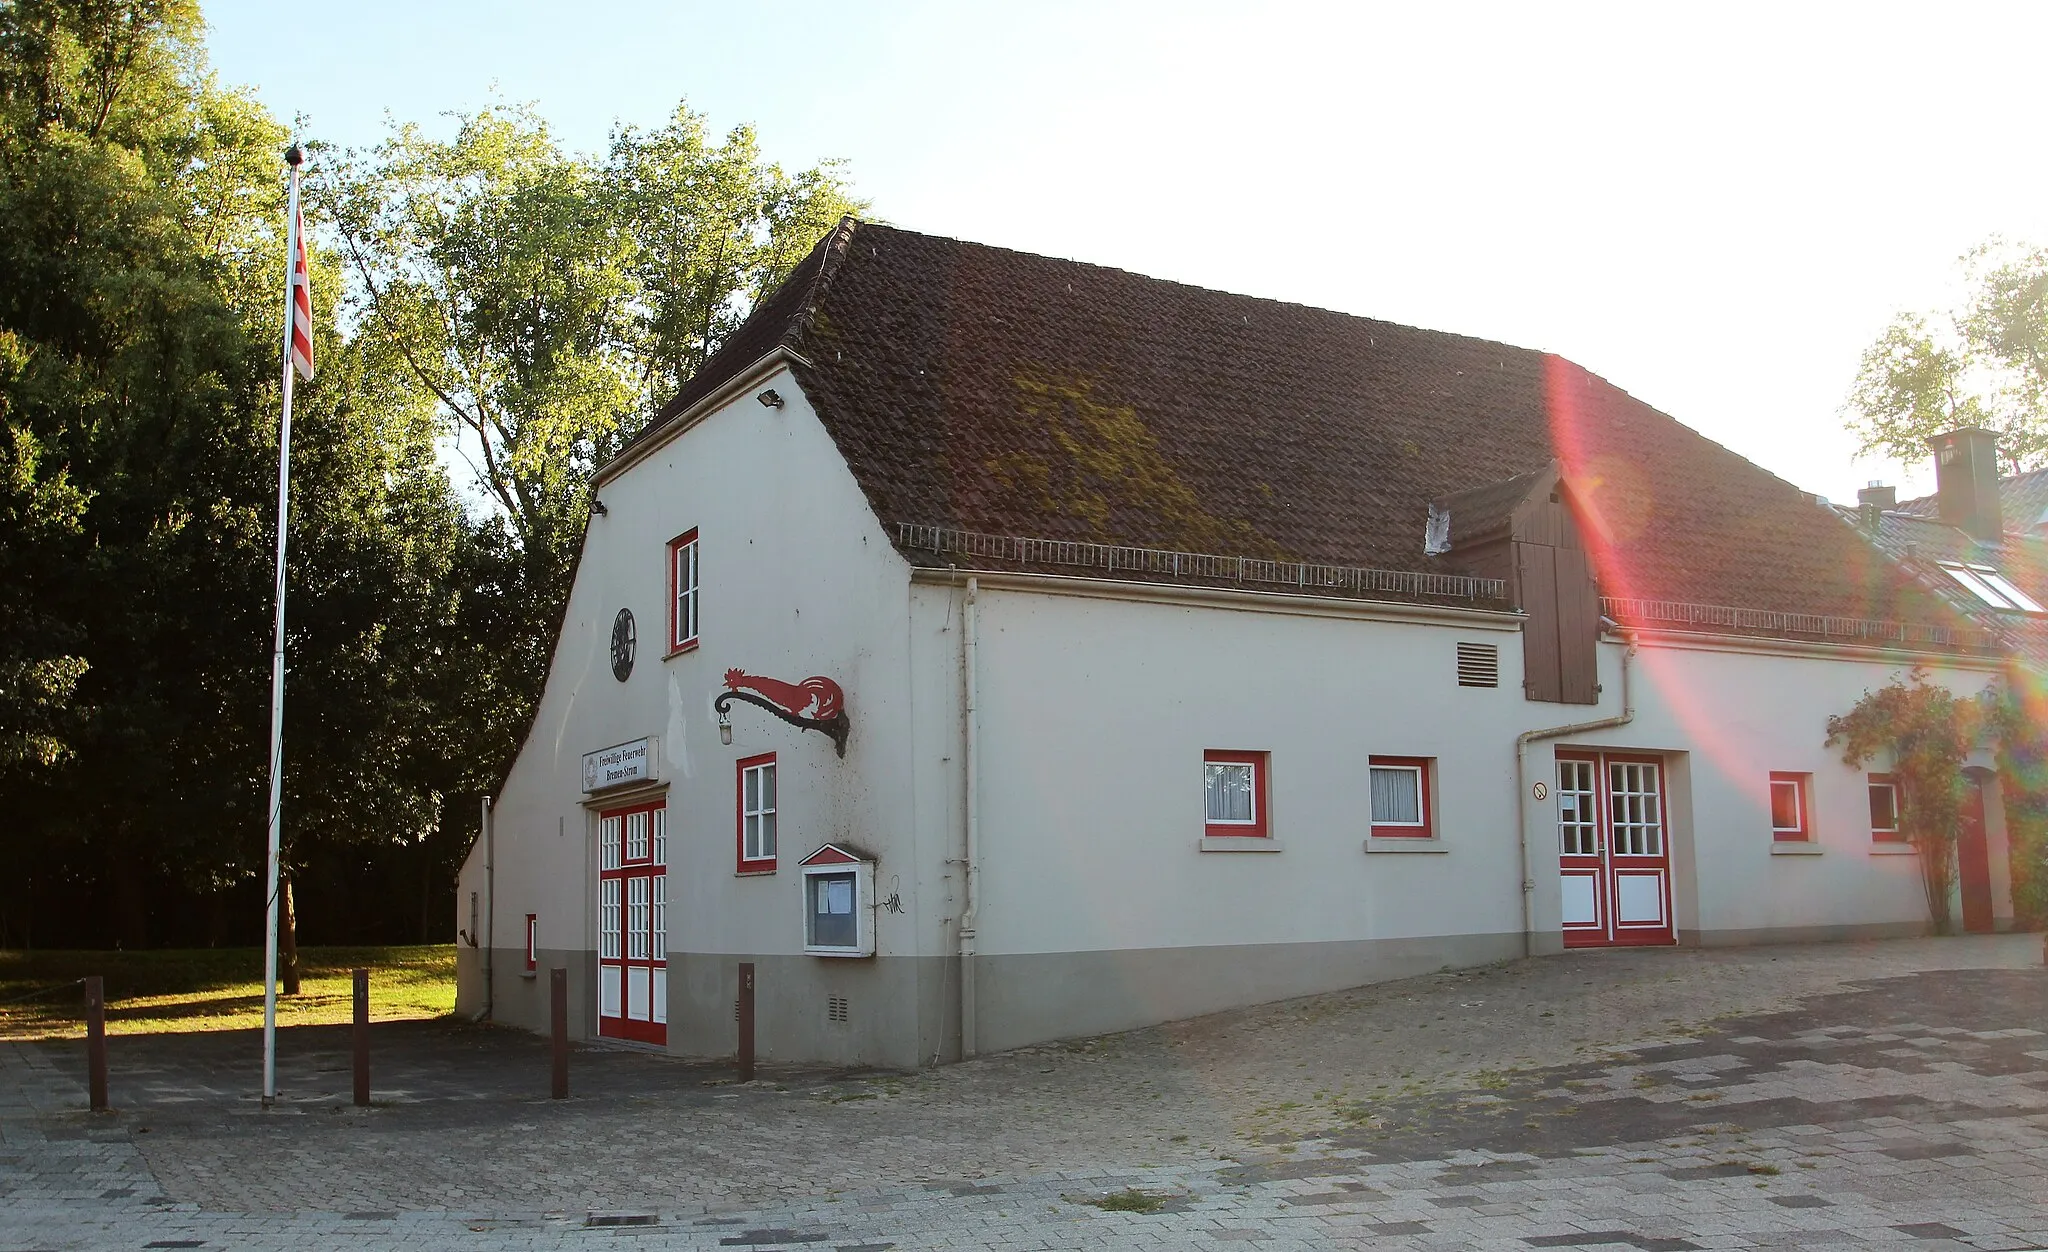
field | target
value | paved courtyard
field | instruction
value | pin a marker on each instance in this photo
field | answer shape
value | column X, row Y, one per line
column 1891, row 1095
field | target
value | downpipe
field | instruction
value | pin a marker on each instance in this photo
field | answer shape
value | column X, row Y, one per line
column 971, row 759
column 1522, row 742
column 491, row 915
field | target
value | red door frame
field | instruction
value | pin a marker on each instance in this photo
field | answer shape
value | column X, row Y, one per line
column 1607, row 867
column 1973, row 861
column 632, row 940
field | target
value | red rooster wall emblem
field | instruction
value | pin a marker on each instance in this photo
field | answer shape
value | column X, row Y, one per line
column 793, row 698
column 817, row 703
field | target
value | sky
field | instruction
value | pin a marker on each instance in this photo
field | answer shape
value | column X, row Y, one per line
column 1716, row 207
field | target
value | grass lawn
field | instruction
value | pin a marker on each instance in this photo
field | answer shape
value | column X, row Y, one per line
column 217, row 989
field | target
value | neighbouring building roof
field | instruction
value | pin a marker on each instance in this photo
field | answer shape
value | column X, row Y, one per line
column 1922, row 546
column 2022, row 499
column 979, row 390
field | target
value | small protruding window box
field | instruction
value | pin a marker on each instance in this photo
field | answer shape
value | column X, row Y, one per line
column 839, row 902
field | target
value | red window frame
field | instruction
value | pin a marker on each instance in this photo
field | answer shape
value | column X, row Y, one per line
column 677, row 640
column 762, row 864
column 1260, row 827
column 1422, row 767
column 532, row 940
column 1880, row 834
column 1800, row 784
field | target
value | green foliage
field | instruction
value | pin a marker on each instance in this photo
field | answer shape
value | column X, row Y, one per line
column 2017, row 713
column 1924, row 733
column 140, row 267
column 1984, row 364
column 545, row 304
column 528, row 307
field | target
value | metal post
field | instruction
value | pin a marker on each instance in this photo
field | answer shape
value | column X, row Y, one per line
column 746, row 1021
column 558, row 1025
column 293, row 157
column 96, row 1042
column 362, row 1039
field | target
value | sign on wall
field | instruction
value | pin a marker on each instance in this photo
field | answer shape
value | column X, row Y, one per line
column 618, row 765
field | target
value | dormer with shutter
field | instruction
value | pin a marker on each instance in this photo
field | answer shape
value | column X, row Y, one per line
column 1524, row 529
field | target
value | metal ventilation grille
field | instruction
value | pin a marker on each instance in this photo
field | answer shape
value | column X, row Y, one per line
column 836, row 1008
column 1478, row 665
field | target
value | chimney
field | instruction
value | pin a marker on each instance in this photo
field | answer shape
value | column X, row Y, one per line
column 1872, row 501
column 1966, row 482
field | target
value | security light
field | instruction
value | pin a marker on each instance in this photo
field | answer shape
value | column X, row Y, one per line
column 770, row 399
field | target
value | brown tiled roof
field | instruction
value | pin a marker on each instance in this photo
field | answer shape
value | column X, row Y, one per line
column 1004, row 393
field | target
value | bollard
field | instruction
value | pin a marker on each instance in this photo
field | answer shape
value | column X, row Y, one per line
column 746, row 1021
column 362, row 1039
column 96, row 1041
column 558, row 1025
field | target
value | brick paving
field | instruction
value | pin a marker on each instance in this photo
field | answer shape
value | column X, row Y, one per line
column 1891, row 1095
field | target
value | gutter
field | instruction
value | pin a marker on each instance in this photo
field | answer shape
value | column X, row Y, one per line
column 971, row 763
column 1522, row 742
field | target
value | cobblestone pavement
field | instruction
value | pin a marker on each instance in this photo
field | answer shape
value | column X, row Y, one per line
column 1891, row 1094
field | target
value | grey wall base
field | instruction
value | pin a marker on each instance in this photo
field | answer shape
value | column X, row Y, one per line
column 1805, row 934
column 1056, row 995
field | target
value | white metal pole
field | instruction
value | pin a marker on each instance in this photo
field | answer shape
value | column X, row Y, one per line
column 284, row 481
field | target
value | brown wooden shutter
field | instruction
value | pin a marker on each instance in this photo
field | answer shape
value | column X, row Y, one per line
column 1542, row 676
column 1578, row 629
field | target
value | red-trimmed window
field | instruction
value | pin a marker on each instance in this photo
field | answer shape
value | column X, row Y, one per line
column 757, row 814
column 1789, row 813
column 1234, row 795
column 532, row 940
column 1884, row 810
column 1401, row 807
column 682, row 591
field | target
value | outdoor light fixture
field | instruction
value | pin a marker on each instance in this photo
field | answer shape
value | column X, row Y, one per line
column 724, row 726
column 770, row 399
column 597, row 507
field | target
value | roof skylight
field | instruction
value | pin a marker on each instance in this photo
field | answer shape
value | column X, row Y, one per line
column 1992, row 587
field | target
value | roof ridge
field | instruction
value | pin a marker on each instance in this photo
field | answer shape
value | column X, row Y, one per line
column 1268, row 301
column 833, row 246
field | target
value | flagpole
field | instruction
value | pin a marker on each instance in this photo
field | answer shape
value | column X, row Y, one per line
column 294, row 157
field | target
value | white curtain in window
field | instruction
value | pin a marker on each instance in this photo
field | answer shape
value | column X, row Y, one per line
column 1230, row 792
column 1396, row 800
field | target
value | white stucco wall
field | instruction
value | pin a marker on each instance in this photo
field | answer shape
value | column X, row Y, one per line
column 797, row 579
column 1728, row 716
column 1095, row 716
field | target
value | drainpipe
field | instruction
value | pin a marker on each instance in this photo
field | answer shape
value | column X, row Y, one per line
column 972, row 763
column 491, row 893
column 1522, row 742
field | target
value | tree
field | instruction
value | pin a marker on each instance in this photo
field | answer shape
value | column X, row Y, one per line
column 1926, row 733
column 1984, row 364
column 140, row 281
column 546, row 304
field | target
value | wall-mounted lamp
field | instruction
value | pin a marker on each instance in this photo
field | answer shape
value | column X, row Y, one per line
column 724, row 726
column 770, row 399
column 597, row 507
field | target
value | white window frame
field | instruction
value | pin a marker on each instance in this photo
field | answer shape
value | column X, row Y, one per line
column 1876, row 830
column 758, row 817
column 684, row 579
column 1421, row 801
column 1802, row 814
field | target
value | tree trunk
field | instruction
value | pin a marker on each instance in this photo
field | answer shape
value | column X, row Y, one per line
column 287, row 940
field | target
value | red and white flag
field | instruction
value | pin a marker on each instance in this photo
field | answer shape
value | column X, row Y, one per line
column 302, row 304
